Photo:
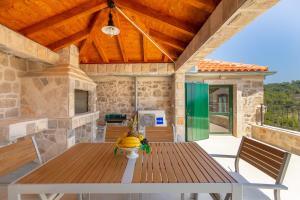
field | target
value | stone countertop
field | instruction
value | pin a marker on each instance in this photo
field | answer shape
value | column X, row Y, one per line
column 11, row 129
column 7, row 122
column 73, row 122
column 84, row 118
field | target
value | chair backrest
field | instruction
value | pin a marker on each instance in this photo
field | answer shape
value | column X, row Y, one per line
column 268, row 159
column 159, row 133
column 112, row 133
column 17, row 154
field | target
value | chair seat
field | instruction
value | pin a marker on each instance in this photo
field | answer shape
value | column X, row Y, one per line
column 11, row 177
column 249, row 193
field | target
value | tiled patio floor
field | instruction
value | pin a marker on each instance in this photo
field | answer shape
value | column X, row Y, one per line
column 225, row 145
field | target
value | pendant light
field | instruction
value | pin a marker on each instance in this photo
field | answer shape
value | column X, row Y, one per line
column 110, row 29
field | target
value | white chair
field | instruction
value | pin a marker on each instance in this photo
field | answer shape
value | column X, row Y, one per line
column 18, row 159
column 268, row 159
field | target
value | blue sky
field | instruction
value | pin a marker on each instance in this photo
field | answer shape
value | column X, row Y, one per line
column 272, row 40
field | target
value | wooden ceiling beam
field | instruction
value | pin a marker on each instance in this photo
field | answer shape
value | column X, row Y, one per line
column 96, row 24
column 144, row 40
column 144, row 45
column 120, row 37
column 140, row 26
column 166, row 39
column 173, row 53
column 85, row 8
column 97, row 44
column 165, row 58
column 182, row 26
column 6, row 4
column 206, row 5
column 79, row 36
column 98, row 21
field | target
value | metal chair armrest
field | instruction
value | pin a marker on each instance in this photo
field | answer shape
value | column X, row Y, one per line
column 104, row 132
column 266, row 186
column 222, row 156
column 174, row 133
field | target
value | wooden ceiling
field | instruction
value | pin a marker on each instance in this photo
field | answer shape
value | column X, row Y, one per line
column 54, row 23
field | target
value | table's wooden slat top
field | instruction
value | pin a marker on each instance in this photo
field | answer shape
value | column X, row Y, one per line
column 83, row 163
column 179, row 163
column 96, row 163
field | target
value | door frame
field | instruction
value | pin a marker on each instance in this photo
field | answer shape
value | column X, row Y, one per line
column 231, row 109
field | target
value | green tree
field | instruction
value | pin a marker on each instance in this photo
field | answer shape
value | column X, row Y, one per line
column 283, row 104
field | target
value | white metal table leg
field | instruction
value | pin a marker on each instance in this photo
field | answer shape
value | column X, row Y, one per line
column 182, row 196
column 43, row 197
column 80, row 196
column 194, row 196
column 237, row 192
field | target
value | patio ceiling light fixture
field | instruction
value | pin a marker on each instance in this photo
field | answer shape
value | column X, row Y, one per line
column 110, row 29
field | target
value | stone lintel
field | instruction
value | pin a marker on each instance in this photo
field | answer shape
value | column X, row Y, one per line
column 229, row 17
column 62, row 71
column 136, row 69
column 18, row 45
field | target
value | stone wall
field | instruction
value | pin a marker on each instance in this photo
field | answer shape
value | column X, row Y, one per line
column 116, row 94
column 11, row 68
column 252, row 92
column 248, row 95
column 51, row 91
column 155, row 93
column 45, row 96
column 32, row 92
column 281, row 138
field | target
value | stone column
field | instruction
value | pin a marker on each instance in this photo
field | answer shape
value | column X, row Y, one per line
column 69, row 56
column 69, row 60
column 179, row 106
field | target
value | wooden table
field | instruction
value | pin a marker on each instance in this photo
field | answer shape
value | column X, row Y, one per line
column 92, row 168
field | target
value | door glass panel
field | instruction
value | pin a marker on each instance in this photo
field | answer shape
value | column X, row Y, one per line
column 220, row 109
column 197, row 112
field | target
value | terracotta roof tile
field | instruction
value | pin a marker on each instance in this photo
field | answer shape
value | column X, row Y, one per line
column 220, row 66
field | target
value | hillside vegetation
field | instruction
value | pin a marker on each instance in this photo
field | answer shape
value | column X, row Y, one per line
column 283, row 104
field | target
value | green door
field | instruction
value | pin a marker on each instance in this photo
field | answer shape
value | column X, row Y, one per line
column 197, row 126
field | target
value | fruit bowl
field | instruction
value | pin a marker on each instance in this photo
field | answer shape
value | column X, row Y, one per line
column 130, row 143
column 131, row 153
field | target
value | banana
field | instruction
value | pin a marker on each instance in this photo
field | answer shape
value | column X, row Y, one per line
column 129, row 142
